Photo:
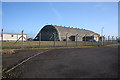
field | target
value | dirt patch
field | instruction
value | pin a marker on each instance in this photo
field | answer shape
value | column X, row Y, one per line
column 8, row 51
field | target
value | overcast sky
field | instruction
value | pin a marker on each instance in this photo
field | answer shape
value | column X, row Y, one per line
column 32, row 16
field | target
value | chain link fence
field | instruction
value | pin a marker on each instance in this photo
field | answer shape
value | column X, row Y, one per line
column 77, row 41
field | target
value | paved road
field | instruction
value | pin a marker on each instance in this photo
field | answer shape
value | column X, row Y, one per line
column 9, row 60
column 72, row 63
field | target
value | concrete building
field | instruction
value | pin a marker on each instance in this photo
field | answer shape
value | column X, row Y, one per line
column 12, row 37
column 49, row 32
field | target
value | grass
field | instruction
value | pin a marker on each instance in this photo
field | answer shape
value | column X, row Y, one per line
column 112, row 45
column 9, row 47
column 4, row 69
column 34, row 44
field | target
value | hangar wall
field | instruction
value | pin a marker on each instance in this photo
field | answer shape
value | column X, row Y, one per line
column 48, row 32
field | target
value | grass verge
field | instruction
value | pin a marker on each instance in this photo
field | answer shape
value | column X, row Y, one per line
column 12, row 51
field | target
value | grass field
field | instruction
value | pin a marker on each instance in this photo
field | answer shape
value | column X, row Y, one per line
column 9, row 47
column 35, row 44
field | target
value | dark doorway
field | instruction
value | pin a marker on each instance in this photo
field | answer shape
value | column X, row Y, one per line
column 87, row 38
column 72, row 38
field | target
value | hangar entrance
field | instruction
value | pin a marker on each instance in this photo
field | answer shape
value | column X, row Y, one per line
column 48, row 33
column 72, row 38
column 87, row 38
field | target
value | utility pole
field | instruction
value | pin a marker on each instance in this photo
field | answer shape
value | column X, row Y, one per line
column 102, row 31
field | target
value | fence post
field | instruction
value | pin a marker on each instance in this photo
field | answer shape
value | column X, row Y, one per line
column 76, row 39
column 92, row 39
column 39, row 38
column 104, row 39
column 112, row 39
column 95, row 40
column 98, row 41
column 66, row 39
column 22, row 39
column 54, row 39
column 85, row 39
column 108, row 39
column 116, row 38
column 2, row 37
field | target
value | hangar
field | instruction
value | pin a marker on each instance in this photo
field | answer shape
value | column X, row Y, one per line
column 60, row 33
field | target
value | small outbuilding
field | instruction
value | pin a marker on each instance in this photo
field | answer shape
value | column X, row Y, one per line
column 13, row 37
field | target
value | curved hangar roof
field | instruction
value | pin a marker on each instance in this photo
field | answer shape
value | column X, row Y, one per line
column 60, row 32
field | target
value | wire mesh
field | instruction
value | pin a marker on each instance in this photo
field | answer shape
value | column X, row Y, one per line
column 68, row 41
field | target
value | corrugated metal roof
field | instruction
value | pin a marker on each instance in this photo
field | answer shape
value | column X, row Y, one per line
column 63, row 30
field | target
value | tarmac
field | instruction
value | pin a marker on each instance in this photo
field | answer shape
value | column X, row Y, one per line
column 94, row 62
